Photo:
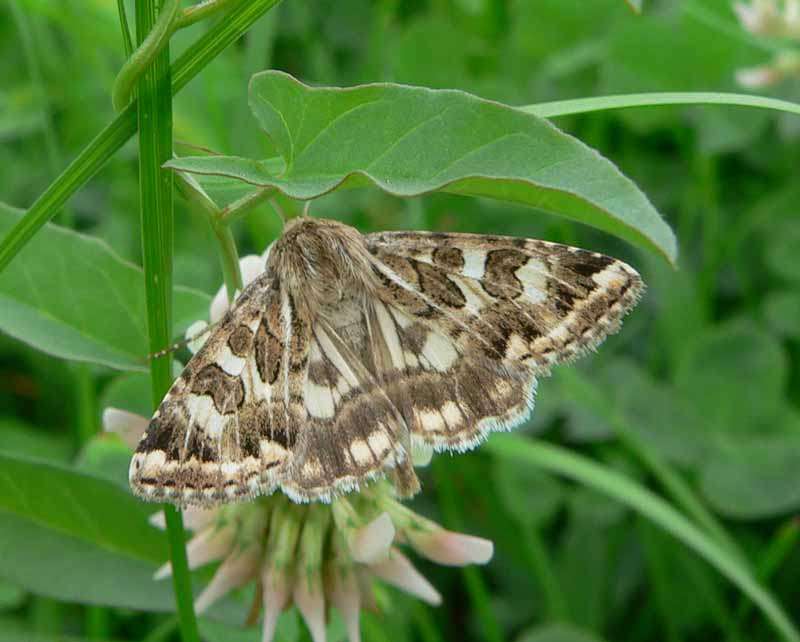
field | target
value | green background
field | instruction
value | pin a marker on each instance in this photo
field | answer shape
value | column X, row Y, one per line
column 695, row 398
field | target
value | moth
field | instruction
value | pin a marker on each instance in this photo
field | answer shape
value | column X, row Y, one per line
column 350, row 349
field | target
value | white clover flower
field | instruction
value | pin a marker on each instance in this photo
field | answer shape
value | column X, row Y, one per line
column 785, row 65
column 767, row 18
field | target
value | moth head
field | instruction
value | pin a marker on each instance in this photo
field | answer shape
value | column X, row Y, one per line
column 323, row 257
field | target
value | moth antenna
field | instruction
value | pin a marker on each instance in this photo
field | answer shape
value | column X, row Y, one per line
column 306, row 208
column 183, row 343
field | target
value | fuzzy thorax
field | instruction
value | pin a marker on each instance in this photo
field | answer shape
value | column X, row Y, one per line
column 321, row 260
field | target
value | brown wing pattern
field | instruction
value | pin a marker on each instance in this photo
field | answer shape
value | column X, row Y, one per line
column 227, row 428
column 491, row 313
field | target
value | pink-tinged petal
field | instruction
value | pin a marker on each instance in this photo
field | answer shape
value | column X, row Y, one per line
column 310, row 601
column 128, row 425
column 371, row 543
column 450, row 548
column 346, row 598
column 235, row 571
column 398, row 571
column 194, row 518
column 208, row 546
column 276, row 597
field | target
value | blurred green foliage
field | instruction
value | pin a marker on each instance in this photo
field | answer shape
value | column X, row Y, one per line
column 701, row 379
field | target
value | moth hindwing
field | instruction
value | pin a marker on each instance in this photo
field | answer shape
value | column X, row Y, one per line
column 349, row 349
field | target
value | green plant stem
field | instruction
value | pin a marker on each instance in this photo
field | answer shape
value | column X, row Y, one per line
column 781, row 545
column 197, row 198
column 155, row 188
column 658, row 583
column 163, row 631
column 46, row 615
column 229, row 258
column 476, row 588
column 655, row 99
column 170, row 20
column 98, row 621
column 127, row 43
column 152, row 46
column 203, row 10
column 581, row 469
column 117, row 133
column 244, row 205
column 428, row 631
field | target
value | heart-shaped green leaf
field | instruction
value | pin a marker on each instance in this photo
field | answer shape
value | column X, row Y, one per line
column 411, row 140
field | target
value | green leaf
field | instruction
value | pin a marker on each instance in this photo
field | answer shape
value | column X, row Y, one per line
column 21, row 439
column 653, row 411
column 11, row 596
column 71, row 296
column 755, row 477
column 85, row 573
column 106, row 457
column 288, row 630
column 17, row 630
column 87, row 532
column 710, row 376
column 79, row 505
column 410, row 141
column 559, row 460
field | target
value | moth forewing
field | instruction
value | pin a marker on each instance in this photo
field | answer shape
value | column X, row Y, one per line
column 348, row 350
